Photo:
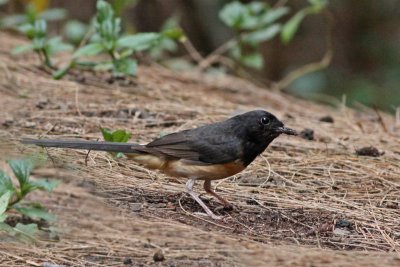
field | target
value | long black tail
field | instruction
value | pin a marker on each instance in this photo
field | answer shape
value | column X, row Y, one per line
column 89, row 145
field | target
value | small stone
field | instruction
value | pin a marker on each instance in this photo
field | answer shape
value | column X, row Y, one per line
column 49, row 264
column 341, row 232
column 343, row 223
column 41, row 104
column 8, row 122
column 307, row 134
column 30, row 124
column 327, row 119
column 136, row 207
column 158, row 256
column 127, row 261
column 369, row 151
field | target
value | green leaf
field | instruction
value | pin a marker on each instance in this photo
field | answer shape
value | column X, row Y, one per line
column 6, row 228
column 257, row 7
column 140, row 41
column 5, row 183
column 60, row 73
column 254, row 60
column 27, row 229
column 121, row 136
column 53, row 14
column 43, row 184
column 125, row 66
column 126, row 52
column 4, row 200
column 120, row 5
column 10, row 21
column 174, row 34
column 55, row 45
column 104, row 66
column 36, row 213
column 89, row 50
column 104, row 10
column 75, row 31
column 3, row 217
column 27, row 29
column 40, row 28
column 263, row 35
column 318, row 5
column 273, row 15
column 232, row 14
column 116, row 136
column 22, row 49
column 22, row 169
column 291, row 26
column 107, row 134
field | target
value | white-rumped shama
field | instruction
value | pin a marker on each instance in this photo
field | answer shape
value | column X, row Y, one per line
column 210, row 152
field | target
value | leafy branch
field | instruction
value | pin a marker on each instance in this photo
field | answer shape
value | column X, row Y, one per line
column 43, row 46
column 13, row 198
column 108, row 40
column 255, row 23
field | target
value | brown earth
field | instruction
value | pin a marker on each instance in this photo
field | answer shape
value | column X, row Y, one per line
column 302, row 203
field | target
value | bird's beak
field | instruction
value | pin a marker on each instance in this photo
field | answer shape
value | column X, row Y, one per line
column 285, row 130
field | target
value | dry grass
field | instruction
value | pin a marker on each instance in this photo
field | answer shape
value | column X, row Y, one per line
column 299, row 204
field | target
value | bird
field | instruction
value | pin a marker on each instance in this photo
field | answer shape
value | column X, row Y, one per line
column 210, row 152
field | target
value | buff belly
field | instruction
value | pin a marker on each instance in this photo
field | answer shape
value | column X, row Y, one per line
column 188, row 169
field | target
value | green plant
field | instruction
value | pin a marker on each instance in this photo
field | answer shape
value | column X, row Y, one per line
column 253, row 24
column 108, row 39
column 120, row 136
column 13, row 198
column 75, row 31
column 43, row 46
column 170, row 32
column 291, row 26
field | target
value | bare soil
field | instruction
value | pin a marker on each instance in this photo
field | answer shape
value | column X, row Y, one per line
column 304, row 202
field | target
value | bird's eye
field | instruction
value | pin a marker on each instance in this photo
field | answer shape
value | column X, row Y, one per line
column 264, row 120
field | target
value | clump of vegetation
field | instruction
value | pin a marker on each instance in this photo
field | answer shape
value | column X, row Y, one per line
column 107, row 39
column 12, row 199
column 257, row 22
column 33, row 24
column 45, row 47
column 120, row 136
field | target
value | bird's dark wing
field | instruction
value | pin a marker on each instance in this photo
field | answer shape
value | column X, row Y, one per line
column 212, row 144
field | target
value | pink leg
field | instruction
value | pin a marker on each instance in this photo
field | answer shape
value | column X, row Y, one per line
column 189, row 188
column 208, row 189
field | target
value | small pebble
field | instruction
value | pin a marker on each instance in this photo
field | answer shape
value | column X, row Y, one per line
column 307, row 134
column 136, row 207
column 369, row 151
column 158, row 256
column 343, row 223
column 327, row 119
column 341, row 232
column 127, row 261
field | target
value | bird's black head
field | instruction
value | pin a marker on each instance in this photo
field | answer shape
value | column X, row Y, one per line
column 257, row 129
column 262, row 127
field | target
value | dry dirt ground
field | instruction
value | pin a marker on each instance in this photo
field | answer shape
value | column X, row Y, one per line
column 302, row 203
